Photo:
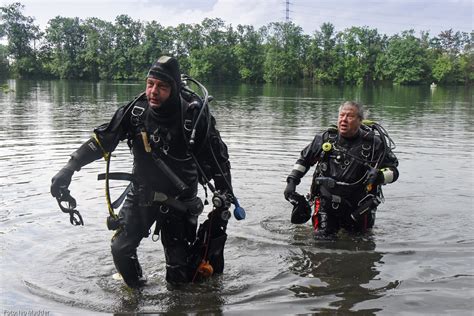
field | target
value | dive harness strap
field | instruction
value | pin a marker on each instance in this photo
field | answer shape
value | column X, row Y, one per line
column 136, row 120
column 323, row 184
column 369, row 202
column 118, row 176
column 155, row 196
column 137, row 110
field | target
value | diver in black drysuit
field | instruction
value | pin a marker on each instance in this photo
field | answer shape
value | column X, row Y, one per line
column 351, row 166
column 160, row 136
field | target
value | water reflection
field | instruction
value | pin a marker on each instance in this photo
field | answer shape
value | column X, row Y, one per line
column 340, row 270
column 200, row 298
column 272, row 267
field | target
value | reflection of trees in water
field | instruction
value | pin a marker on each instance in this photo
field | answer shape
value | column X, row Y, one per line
column 344, row 268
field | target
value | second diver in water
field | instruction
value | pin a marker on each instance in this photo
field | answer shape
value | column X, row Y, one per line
column 353, row 161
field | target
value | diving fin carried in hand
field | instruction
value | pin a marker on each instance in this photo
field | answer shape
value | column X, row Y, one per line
column 301, row 212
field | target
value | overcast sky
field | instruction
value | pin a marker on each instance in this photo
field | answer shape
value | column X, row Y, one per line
column 387, row 16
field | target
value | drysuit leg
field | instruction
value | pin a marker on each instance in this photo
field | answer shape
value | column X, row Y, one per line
column 127, row 239
column 177, row 233
column 124, row 252
column 325, row 224
column 364, row 222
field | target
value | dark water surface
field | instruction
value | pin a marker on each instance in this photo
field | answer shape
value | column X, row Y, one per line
column 418, row 259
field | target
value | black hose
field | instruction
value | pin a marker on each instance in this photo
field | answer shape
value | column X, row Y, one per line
column 205, row 107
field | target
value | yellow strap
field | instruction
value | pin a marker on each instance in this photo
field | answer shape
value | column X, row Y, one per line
column 107, row 191
column 368, row 122
column 146, row 144
column 105, row 154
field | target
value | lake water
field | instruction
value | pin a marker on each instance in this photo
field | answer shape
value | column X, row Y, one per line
column 419, row 259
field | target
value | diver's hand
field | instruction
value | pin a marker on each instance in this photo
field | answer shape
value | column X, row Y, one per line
column 375, row 177
column 61, row 180
column 290, row 189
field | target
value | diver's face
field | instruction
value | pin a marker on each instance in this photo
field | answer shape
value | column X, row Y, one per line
column 349, row 121
column 157, row 92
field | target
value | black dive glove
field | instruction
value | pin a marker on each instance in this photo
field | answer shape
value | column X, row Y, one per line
column 290, row 189
column 375, row 177
column 62, row 179
column 88, row 152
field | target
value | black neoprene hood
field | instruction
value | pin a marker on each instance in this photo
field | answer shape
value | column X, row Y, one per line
column 167, row 69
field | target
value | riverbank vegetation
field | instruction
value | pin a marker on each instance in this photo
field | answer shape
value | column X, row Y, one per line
column 94, row 49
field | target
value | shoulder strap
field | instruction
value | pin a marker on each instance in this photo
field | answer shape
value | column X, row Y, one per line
column 136, row 110
column 330, row 135
column 187, row 117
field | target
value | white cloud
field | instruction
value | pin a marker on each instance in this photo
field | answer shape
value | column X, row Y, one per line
column 249, row 12
column 388, row 16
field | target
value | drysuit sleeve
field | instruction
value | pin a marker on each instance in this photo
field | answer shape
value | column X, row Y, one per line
column 308, row 157
column 104, row 140
column 214, row 158
column 389, row 171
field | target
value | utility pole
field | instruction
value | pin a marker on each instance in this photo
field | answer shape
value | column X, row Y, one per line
column 287, row 10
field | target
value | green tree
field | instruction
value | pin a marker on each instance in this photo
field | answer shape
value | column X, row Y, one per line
column 22, row 37
column 442, row 69
column 353, row 53
column 65, row 40
column 326, row 52
column 313, row 58
column 451, row 42
column 187, row 38
column 4, row 66
column 362, row 48
column 250, row 54
column 452, row 62
column 466, row 66
column 157, row 41
column 216, row 61
column 127, row 51
column 466, row 60
column 98, row 51
column 283, row 53
column 405, row 60
column 278, row 52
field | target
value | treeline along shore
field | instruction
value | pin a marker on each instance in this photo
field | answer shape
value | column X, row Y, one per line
column 280, row 52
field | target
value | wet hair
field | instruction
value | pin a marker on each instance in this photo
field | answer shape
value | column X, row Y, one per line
column 358, row 106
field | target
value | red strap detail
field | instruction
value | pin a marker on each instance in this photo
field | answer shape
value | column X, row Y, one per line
column 315, row 221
